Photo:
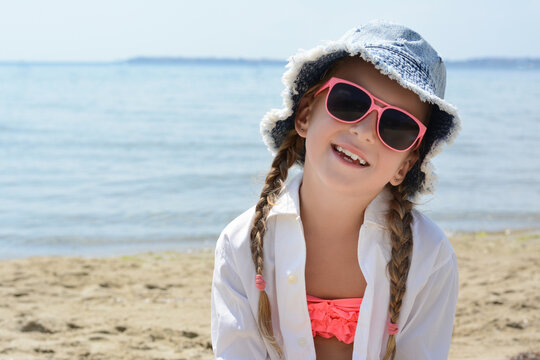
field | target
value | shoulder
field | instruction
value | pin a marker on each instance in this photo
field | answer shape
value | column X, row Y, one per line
column 431, row 247
column 233, row 250
column 241, row 223
column 236, row 233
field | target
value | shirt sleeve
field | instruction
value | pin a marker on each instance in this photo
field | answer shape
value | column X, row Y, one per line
column 427, row 332
column 233, row 325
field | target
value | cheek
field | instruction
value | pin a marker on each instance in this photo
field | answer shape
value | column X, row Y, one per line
column 395, row 163
column 321, row 135
column 322, row 124
column 318, row 127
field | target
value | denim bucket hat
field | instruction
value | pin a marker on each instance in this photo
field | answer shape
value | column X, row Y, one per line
column 397, row 52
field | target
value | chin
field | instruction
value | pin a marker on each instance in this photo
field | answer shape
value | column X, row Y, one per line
column 348, row 185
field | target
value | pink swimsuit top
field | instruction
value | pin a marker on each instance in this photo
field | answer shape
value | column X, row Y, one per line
column 336, row 317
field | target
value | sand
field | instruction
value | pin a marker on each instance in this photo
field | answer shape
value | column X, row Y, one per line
column 157, row 305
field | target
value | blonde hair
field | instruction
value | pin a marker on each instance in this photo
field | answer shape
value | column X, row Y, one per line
column 289, row 152
column 399, row 218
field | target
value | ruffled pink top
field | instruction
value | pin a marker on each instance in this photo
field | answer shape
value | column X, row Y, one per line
column 336, row 317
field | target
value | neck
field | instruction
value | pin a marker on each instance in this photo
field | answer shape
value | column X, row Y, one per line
column 328, row 212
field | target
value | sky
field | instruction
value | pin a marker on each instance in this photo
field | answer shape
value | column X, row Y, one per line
column 111, row 30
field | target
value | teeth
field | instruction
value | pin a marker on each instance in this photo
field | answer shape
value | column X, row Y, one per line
column 351, row 155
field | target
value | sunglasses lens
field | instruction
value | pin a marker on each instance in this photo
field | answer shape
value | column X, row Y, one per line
column 347, row 102
column 398, row 130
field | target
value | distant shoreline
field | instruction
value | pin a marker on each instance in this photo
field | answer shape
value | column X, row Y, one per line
column 476, row 63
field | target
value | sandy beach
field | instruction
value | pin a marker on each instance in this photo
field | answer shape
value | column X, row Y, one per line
column 157, row 305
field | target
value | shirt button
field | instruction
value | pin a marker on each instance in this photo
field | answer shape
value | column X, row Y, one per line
column 302, row 342
column 292, row 279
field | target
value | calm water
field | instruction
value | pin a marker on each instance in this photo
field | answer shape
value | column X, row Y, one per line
column 110, row 159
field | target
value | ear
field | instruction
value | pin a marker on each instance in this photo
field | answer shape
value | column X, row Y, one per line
column 301, row 122
column 404, row 168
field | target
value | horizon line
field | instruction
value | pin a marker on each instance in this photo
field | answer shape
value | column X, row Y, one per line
column 236, row 60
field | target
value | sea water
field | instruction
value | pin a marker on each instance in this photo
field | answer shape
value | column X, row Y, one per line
column 106, row 159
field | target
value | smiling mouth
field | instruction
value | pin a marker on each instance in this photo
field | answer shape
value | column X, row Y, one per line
column 349, row 156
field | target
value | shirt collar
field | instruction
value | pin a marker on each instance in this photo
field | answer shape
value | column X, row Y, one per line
column 288, row 202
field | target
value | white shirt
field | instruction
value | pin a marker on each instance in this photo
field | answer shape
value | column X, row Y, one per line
column 427, row 312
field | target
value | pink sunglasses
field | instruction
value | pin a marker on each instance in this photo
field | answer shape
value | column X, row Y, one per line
column 348, row 102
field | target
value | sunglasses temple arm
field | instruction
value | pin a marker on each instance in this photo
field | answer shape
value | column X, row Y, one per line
column 417, row 144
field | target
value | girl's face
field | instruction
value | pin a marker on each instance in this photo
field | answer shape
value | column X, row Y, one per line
column 325, row 164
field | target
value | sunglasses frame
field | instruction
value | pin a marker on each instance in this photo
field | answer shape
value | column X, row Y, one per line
column 379, row 109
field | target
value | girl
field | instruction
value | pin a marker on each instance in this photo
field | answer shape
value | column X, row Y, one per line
column 335, row 263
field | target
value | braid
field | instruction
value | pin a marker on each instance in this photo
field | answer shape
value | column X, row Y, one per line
column 399, row 220
column 291, row 150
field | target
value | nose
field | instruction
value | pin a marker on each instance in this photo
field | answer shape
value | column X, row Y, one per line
column 366, row 129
